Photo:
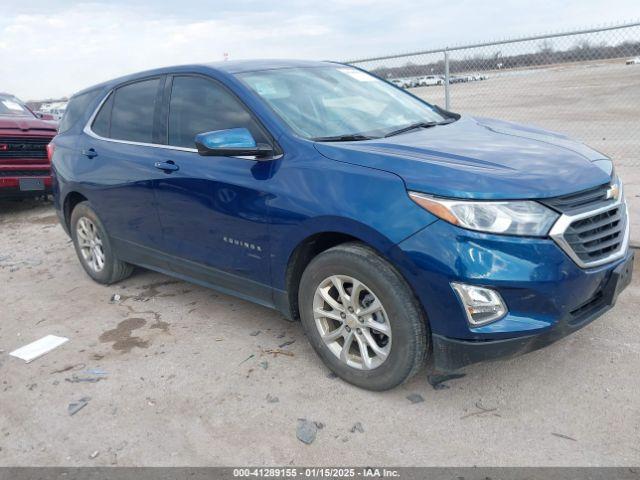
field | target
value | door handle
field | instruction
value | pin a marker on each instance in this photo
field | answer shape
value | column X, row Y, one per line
column 90, row 153
column 167, row 166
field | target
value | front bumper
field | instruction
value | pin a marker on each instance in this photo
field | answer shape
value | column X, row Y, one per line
column 547, row 295
column 451, row 354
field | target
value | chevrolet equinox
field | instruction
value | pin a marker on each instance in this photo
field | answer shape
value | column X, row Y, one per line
column 396, row 231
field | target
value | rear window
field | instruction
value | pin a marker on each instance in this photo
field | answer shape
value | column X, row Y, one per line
column 128, row 112
column 76, row 109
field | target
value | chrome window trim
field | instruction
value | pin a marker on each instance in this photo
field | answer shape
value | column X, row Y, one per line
column 564, row 221
column 91, row 133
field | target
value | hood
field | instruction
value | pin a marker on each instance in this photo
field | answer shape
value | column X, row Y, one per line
column 479, row 158
column 14, row 125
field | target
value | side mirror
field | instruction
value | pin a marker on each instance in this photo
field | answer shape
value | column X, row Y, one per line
column 44, row 116
column 234, row 142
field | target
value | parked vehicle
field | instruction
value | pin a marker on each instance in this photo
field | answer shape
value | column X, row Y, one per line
column 396, row 231
column 429, row 81
column 55, row 109
column 633, row 61
column 406, row 82
column 25, row 169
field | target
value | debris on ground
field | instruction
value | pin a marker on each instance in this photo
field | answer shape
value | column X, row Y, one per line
column 75, row 407
column 437, row 381
column 357, row 427
column 306, row 431
column 276, row 351
column 248, row 358
column 319, row 425
column 481, row 411
column 94, row 454
column 115, row 298
column 89, row 379
column 415, row 398
column 287, row 343
column 264, row 364
column 566, row 437
column 69, row 367
column 255, row 333
column 37, row 349
column 272, row 399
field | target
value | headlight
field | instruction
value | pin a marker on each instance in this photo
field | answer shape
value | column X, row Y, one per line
column 526, row 218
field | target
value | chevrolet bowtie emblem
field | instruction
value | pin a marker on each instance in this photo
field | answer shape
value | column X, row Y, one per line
column 613, row 192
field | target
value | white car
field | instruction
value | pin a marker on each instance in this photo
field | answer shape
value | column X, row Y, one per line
column 429, row 80
column 633, row 61
column 399, row 82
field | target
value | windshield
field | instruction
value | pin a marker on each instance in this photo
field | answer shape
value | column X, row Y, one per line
column 339, row 103
column 12, row 106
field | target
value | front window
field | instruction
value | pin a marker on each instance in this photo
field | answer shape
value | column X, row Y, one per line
column 339, row 103
column 11, row 106
column 199, row 105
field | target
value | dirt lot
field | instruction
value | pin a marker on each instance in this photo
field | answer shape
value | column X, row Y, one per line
column 595, row 102
column 189, row 380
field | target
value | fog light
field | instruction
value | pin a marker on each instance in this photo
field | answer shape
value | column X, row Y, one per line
column 482, row 305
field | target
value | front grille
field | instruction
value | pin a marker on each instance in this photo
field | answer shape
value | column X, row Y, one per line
column 23, row 147
column 580, row 200
column 24, row 173
column 598, row 236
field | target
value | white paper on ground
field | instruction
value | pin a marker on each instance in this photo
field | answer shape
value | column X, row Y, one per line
column 36, row 349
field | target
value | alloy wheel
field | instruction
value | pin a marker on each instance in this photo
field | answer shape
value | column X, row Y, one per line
column 90, row 244
column 352, row 322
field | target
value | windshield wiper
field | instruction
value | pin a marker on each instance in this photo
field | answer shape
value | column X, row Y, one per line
column 413, row 126
column 342, row 138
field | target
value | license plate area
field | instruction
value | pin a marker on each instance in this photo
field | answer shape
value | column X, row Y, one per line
column 31, row 184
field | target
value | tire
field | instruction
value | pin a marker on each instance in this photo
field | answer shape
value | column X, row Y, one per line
column 398, row 356
column 110, row 269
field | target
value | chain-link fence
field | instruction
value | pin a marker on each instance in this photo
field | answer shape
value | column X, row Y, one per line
column 583, row 83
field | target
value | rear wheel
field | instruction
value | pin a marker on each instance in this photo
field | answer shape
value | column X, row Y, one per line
column 362, row 318
column 93, row 247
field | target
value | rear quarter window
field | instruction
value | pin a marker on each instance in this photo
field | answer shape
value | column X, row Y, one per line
column 76, row 110
column 102, row 123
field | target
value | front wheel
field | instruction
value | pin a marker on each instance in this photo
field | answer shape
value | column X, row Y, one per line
column 362, row 318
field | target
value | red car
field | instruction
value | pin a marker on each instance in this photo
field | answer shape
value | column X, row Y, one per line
column 25, row 167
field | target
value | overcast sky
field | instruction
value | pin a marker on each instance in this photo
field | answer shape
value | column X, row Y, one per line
column 51, row 48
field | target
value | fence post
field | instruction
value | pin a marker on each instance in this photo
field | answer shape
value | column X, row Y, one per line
column 446, row 81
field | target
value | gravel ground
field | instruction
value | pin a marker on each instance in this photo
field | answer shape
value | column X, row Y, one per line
column 185, row 376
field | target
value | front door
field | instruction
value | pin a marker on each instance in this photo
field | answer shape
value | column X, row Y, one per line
column 213, row 210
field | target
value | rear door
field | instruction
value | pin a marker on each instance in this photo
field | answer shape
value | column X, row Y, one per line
column 118, row 166
column 213, row 210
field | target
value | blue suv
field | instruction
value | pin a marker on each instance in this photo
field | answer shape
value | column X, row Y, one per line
column 396, row 231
